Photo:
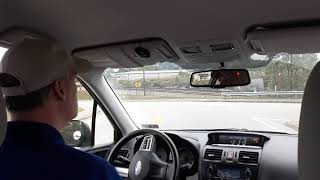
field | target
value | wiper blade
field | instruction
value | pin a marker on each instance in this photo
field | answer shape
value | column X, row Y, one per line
column 229, row 129
column 275, row 132
column 248, row 130
column 222, row 129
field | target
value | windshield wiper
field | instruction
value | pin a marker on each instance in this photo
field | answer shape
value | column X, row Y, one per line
column 228, row 129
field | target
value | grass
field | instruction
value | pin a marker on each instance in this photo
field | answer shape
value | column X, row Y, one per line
column 83, row 95
column 211, row 99
column 80, row 109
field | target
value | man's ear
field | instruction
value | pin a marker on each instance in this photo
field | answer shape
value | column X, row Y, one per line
column 59, row 89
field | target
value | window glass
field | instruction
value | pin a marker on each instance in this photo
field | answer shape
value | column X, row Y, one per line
column 104, row 131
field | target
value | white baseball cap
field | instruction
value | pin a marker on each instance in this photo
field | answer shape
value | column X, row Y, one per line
column 34, row 64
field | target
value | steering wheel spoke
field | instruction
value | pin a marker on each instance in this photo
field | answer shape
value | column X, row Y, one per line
column 159, row 168
column 170, row 171
column 123, row 172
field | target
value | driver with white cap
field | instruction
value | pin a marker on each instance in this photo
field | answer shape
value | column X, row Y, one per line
column 37, row 78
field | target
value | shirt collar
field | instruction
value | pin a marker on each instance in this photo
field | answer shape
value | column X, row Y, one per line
column 33, row 132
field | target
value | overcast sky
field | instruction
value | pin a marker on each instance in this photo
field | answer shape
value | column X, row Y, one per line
column 2, row 51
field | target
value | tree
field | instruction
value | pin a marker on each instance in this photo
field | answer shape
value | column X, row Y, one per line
column 302, row 60
column 287, row 72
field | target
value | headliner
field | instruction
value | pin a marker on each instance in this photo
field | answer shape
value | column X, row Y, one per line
column 79, row 24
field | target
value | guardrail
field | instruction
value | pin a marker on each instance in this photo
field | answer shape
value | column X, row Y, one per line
column 263, row 93
column 215, row 93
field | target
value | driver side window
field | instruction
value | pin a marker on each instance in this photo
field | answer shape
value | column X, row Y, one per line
column 91, row 127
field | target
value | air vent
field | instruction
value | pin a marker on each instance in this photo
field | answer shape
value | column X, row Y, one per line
column 213, row 154
column 146, row 143
column 248, row 157
column 221, row 47
column 123, row 153
column 122, row 159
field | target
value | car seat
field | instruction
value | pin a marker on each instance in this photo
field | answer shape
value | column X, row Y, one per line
column 309, row 129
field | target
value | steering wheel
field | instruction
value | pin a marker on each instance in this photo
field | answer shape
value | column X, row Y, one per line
column 145, row 163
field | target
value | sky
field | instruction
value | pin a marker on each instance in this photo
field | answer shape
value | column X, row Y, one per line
column 2, row 51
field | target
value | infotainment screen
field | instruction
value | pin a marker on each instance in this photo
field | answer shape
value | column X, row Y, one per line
column 229, row 173
column 240, row 140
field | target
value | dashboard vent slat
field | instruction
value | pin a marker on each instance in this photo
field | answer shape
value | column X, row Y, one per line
column 123, row 153
column 248, row 157
column 213, row 154
column 120, row 160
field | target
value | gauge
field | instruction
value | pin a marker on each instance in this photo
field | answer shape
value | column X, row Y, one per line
column 186, row 158
column 162, row 153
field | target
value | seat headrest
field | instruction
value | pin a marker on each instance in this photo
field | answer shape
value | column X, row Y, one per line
column 3, row 118
column 309, row 128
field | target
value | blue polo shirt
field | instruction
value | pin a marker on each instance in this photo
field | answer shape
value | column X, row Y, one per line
column 37, row 151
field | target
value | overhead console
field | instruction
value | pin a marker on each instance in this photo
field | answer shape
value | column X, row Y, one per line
column 210, row 51
column 198, row 54
column 232, row 156
column 129, row 54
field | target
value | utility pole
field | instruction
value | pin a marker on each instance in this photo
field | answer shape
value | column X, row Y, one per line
column 144, row 82
column 279, row 80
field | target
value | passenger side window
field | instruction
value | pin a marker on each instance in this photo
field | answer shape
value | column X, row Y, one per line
column 80, row 131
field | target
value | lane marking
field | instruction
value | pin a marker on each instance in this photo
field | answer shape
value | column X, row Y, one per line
column 261, row 120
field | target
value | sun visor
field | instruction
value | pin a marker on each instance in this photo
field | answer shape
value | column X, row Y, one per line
column 290, row 40
column 15, row 35
column 129, row 54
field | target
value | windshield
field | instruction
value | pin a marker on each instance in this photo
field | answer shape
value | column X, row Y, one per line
column 160, row 96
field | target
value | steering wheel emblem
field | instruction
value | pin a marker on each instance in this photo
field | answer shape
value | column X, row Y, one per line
column 137, row 168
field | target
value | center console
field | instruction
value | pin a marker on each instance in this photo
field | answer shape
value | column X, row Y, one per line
column 229, row 156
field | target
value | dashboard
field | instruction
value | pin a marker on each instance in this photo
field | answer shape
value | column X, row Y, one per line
column 232, row 156
column 228, row 155
column 243, row 155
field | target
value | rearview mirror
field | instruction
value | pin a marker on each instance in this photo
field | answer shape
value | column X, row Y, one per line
column 76, row 134
column 220, row 78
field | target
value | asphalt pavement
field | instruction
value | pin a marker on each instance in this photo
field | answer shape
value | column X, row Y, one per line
column 216, row 115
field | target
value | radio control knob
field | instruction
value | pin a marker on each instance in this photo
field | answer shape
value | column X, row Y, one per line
column 210, row 171
column 248, row 173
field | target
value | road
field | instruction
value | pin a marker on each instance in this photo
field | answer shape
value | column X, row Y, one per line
column 203, row 115
column 212, row 115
